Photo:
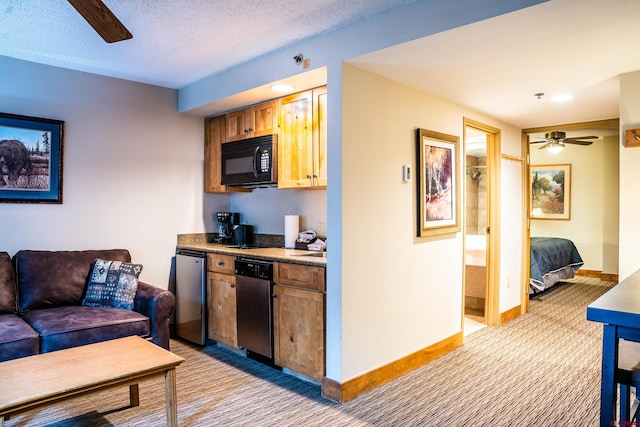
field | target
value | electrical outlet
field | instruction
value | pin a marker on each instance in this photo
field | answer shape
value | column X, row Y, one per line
column 322, row 228
column 306, row 63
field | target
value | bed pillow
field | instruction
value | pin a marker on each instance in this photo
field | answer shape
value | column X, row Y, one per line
column 112, row 284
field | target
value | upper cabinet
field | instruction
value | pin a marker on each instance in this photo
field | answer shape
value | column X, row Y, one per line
column 214, row 135
column 257, row 120
column 300, row 120
column 302, row 140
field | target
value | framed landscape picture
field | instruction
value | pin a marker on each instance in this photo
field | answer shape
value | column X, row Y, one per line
column 30, row 159
column 438, row 189
column 550, row 192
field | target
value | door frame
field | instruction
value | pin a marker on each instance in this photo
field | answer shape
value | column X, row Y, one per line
column 526, row 149
column 492, row 297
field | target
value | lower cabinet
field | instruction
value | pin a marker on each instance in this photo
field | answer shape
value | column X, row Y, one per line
column 299, row 318
column 221, row 299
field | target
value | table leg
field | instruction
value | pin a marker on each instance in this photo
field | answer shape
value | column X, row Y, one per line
column 171, row 397
column 1, row 420
column 134, row 395
column 608, row 385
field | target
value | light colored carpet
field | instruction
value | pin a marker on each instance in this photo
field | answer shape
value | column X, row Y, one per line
column 542, row 369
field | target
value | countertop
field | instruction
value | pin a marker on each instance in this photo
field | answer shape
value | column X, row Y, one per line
column 295, row 256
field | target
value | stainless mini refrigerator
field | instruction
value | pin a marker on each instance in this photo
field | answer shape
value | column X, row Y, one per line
column 191, row 296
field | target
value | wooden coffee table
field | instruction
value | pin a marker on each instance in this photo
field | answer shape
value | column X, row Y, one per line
column 48, row 378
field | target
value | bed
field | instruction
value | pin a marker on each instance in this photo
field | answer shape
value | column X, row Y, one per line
column 552, row 259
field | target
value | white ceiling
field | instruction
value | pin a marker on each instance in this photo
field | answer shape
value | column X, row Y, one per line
column 494, row 66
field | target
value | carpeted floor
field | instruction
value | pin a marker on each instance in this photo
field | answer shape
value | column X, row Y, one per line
column 542, row 369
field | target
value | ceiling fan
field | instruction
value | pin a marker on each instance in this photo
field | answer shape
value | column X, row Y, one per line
column 555, row 140
column 98, row 15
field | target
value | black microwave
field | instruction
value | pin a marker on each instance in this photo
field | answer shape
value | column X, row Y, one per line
column 250, row 162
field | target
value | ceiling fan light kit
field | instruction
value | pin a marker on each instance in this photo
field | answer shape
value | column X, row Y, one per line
column 103, row 21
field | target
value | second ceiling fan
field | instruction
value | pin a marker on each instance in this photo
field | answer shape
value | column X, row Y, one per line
column 559, row 138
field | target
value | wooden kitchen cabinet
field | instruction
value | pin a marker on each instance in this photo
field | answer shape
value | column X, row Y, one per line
column 221, row 299
column 214, row 134
column 257, row 120
column 299, row 318
column 302, row 140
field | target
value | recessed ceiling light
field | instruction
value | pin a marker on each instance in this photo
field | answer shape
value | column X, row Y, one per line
column 282, row 88
column 563, row 97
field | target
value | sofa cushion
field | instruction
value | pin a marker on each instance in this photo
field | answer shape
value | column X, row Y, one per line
column 17, row 338
column 112, row 284
column 47, row 279
column 64, row 327
column 7, row 285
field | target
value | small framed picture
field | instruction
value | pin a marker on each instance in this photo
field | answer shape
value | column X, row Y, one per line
column 30, row 159
column 438, row 188
column 550, row 192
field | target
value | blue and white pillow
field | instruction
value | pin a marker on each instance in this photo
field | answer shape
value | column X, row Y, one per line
column 112, row 284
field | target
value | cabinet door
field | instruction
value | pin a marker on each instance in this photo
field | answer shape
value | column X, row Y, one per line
column 298, row 321
column 320, row 137
column 263, row 118
column 295, row 141
column 214, row 134
column 221, row 304
column 238, row 124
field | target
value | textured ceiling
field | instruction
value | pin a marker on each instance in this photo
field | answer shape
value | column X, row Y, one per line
column 175, row 42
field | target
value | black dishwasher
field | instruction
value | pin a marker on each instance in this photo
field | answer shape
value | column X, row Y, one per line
column 253, row 304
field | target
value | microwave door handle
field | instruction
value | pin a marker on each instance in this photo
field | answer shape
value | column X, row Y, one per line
column 255, row 162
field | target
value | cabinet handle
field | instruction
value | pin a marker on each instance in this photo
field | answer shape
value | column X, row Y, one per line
column 233, row 286
column 220, row 263
column 274, row 296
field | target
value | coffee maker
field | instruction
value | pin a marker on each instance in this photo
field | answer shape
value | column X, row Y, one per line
column 226, row 223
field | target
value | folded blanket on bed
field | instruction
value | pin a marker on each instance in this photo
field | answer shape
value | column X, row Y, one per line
column 549, row 255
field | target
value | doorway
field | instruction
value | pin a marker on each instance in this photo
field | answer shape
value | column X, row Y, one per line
column 475, row 220
column 480, row 298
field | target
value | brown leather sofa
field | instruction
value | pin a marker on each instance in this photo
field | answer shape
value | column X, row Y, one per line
column 41, row 310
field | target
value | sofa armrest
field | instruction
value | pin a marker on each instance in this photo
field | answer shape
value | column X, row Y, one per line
column 157, row 304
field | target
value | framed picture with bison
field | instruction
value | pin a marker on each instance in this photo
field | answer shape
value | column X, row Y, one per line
column 30, row 159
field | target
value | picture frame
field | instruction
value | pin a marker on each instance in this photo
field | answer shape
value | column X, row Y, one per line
column 30, row 159
column 550, row 192
column 438, row 183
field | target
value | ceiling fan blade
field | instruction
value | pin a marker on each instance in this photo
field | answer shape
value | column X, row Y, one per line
column 542, row 141
column 583, row 137
column 574, row 141
column 544, row 146
column 98, row 15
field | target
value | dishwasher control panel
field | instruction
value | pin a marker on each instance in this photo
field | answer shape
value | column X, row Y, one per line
column 254, row 268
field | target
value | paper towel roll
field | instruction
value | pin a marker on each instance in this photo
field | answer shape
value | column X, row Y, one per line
column 291, row 230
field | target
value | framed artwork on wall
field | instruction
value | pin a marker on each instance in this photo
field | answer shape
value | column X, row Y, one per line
column 438, row 188
column 550, row 192
column 30, row 159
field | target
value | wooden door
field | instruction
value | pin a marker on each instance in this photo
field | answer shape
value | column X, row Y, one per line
column 295, row 141
column 238, row 125
column 298, row 321
column 221, row 304
column 263, row 118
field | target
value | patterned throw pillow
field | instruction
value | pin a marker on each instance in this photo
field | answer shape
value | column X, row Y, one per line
column 112, row 284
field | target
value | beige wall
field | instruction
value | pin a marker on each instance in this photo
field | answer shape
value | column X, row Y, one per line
column 132, row 167
column 400, row 293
